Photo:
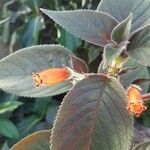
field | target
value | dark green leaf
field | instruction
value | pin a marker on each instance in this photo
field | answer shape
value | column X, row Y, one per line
column 4, row 20
column 92, row 26
column 41, row 105
column 34, row 5
column 36, row 141
column 93, row 115
column 51, row 113
column 143, row 146
column 17, row 68
column 6, row 32
column 7, row 128
column 31, row 31
column 27, row 125
column 94, row 53
column 122, row 31
column 69, row 40
column 146, row 120
column 5, row 147
column 9, row 106
column 139, row 46
column 119, row 9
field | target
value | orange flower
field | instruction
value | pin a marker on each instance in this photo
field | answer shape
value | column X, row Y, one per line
column 50, row 77
column 135, row 102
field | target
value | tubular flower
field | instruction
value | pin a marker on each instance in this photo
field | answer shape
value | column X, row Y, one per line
column 51, row 76
column 135, row 102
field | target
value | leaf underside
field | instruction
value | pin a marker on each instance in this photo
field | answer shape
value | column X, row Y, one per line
column 93, row 115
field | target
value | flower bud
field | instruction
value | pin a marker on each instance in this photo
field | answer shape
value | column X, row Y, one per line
column 51, row 76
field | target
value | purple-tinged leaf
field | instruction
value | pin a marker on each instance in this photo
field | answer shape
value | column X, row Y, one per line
column 93, row 115
column 35, row 141
column 92, row 26
column 79, row 65
column 119, row 9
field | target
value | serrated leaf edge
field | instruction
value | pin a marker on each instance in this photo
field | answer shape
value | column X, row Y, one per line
column 129, row 18
column 19, row 142
column 107, row 14
column 60, row 107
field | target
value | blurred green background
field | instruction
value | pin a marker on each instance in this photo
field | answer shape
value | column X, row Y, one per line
column 22, row 25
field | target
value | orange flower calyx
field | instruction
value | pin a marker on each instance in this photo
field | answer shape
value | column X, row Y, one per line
column 51, row 76
column 135, row 101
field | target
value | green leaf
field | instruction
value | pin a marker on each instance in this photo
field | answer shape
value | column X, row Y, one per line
column 17, row 68
column 138, row 73
column 119, row 9
column 142, row 146
column 7, row 128
column 34, row 5
column 9, row 106
column 94, row 53
column 5, row 147
column 41, row 105
column 68, row 40
column 4, row 20
column 51, row 112
column 139, row 46
column 36, row 141
column 122, row 31
column 111, row 52
column 31, row 31
column 93, row 115
column 92, row 26
column 27, row 125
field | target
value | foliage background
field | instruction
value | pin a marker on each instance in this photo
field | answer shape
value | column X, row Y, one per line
column 23, row 25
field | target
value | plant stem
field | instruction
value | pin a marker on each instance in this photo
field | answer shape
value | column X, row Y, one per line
column 146, row 97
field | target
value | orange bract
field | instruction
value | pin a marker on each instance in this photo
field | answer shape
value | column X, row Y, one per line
column 50, row 77
column 135, row 102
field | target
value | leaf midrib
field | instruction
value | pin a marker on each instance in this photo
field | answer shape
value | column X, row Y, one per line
column 96, row 112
